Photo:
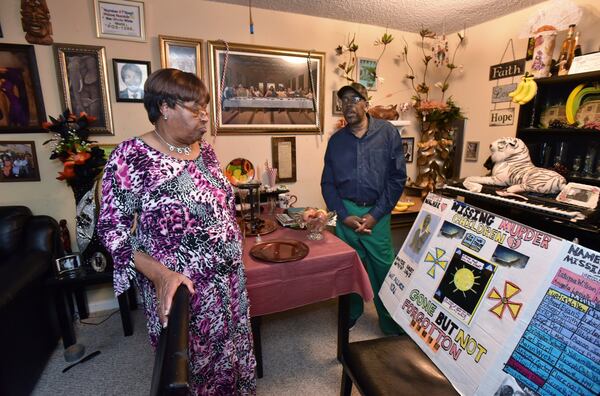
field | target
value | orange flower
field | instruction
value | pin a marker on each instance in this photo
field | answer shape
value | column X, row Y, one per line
column 47, row 124
column 68, row 172
column 81, row 157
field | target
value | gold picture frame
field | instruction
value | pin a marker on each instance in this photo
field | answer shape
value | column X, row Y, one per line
column 83, row 80
column 181, row 53
column 267, row 90
column 120, row 20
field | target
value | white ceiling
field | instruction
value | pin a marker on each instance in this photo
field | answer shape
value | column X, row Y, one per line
column 405, row 15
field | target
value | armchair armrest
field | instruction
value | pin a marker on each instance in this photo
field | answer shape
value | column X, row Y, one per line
column 41, row 233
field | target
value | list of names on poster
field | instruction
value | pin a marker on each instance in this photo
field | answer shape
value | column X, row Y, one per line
column 559, row 352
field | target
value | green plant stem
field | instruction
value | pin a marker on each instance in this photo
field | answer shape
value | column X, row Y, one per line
column 426, row 65
column 452, row 69
column 412, row 71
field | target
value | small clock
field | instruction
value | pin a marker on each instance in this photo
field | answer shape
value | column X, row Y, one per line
column 98, row 261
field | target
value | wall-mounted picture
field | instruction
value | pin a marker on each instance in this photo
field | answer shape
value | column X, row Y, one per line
column 408, row 146
column 120, row 19
column 266, row 89
column 21, row 102
column 367, row 73
column 130, row 76
column 83, row 80
column 336, row 104
column 471, row 151
column 181, row 53
column 283, row 150
column 18, row 161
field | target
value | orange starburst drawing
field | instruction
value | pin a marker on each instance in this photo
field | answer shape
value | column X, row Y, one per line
column 510, row 290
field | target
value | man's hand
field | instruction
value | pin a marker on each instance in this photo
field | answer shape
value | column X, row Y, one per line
column 367, row 222
column 353, row 222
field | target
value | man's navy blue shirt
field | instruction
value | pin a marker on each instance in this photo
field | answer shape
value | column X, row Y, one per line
column 370, row 170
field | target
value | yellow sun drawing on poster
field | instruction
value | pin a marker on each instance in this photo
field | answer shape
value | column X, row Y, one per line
column 464, row 279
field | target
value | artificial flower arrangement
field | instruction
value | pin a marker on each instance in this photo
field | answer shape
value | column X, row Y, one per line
column 350, row 48
column 82, row 159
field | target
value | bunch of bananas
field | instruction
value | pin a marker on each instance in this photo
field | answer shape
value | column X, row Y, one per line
column 526, row 90
column 575, row 98
column 402, row 206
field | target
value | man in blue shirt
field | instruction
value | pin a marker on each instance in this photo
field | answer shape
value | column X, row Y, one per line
column 363, row 178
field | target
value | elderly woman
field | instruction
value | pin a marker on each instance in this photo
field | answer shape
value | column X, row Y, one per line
column 170, row 182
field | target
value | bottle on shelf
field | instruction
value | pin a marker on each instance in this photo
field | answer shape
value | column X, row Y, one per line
column 577, row 50
column 567, row 52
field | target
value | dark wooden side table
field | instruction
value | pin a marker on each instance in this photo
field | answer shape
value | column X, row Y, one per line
column 65, row 286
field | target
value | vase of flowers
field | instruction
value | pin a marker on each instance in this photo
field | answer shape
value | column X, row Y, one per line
column 82, row 159
column 435, row 150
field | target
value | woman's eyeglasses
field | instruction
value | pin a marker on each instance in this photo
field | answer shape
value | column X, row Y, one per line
column 350, row 100
column 197, row 110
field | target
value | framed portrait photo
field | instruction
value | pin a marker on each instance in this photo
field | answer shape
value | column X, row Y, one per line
column 408, row 146
column 21, row 101
column 336, row 104
column 68, row 264
column 130, row 76
column 120, row 19
column 181, row 53
column 18, row 162
column 472, row 151
column 367, row 73
column 83, row 80
column 266, row 89
column 579, row 194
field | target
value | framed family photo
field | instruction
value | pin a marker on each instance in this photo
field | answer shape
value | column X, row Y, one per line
column 120, row 19
column 68, row 264
column 130, row 76
column 408, row 146
column 336, row 104
column 21, row 101
column 83, row 81
column 266, row 89
column 18, row 162
column 471, row 151
column 181, row 53
column 367, row 73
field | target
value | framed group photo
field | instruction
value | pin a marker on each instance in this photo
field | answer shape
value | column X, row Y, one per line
column 130, row 76
column 181, row 53
column 266, row 89
column 18, row 162
column 408, row 146
column 21, row 101
column 367, row 73
column 120, row 19
column 84, row 84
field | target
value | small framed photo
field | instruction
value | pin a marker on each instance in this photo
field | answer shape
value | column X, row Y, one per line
column 336, row 104
column 21, row 102
column 283, row 150
column 580, row 195
column 472, row 151
column 120, row 19
column 408, row 146
column 68, row 264
column 18, row 162
column 130, row 76
column 181, row 53
column 367, row 73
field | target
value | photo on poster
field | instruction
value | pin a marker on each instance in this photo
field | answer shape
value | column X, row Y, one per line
column 450, row 230
column 506, row 257
column 464, row 284
column 415, row 244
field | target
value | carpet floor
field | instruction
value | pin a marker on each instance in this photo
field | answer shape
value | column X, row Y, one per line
column 299, row 355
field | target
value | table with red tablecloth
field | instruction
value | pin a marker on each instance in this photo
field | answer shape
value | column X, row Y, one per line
column 331, row 269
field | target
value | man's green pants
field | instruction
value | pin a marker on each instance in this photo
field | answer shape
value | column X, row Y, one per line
column 376, row 252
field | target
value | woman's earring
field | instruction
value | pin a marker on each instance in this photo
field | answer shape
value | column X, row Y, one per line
column 165, row 116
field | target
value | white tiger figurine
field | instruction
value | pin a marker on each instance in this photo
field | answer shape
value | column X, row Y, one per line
column 513, row 167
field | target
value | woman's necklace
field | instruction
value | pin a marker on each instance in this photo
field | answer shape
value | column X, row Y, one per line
column 186, row 150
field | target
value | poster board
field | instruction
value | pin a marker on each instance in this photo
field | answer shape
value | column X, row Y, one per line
column 496, row 304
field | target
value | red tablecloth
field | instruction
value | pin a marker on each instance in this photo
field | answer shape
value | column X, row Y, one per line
column 331, row 269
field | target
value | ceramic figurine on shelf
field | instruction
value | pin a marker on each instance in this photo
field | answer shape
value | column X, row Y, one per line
column 65, row 236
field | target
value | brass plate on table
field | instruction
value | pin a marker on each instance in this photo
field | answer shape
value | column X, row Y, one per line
column 267, row 227
column 280, row 251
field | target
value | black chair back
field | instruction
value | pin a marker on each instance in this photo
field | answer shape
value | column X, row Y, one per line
column 171, row 363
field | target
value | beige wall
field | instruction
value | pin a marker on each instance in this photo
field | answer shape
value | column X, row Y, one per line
column 73, row 22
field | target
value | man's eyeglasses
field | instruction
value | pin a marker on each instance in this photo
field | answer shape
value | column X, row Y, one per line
column 351, row 100
column 197, row 110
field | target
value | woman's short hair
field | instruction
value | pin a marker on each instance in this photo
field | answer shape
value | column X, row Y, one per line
column 170, row 86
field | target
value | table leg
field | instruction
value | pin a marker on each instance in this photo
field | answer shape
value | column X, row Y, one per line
column 65, row 320
column 82, row 306
column 343, row 324
column 125, row 314
column 132, row 298
column 255, row 321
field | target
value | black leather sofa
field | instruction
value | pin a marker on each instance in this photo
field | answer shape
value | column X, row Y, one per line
column 29, row 331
